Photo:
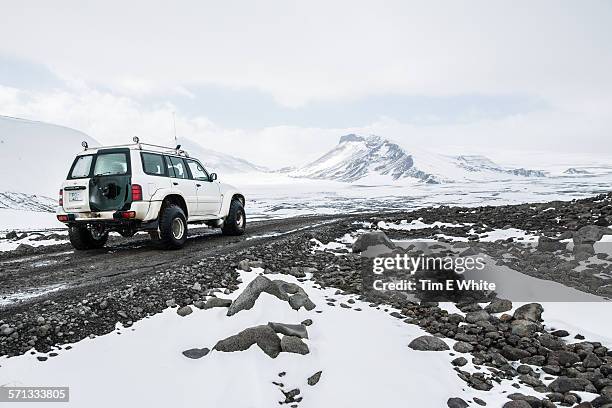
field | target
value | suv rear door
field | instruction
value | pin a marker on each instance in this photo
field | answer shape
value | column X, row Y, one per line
column 111, row 179
column 209, row 194
column 76, row 186
column 99, row 182
column 177, row 170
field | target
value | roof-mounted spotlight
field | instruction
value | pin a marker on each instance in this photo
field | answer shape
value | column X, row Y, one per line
column 84, row 144
column 136, row 139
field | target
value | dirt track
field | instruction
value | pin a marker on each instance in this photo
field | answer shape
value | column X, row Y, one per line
column 61, row 266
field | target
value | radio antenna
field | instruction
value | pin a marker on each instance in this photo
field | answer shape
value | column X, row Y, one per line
column 174, row 125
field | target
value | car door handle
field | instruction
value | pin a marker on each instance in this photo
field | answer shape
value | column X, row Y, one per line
column 198, row 185
column 175, row 183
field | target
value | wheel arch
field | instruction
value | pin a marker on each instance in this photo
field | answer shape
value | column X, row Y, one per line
column 238, row 196
column 227, row 200
column 175, row 199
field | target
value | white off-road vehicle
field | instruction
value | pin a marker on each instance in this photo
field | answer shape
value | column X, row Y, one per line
column 144, row 187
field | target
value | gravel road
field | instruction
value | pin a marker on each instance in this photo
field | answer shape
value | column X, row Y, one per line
column 62, row 270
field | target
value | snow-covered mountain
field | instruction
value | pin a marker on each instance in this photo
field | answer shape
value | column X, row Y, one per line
column 35, row 156
column 29, row 202
column 219, row 162
column 356, row 157
column 477, row 163
column 374, row 158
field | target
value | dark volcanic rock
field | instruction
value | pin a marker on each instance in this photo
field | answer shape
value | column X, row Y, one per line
column 513, row 353
column 428, row 343
column 293, row 344
column 530, row 311
column 517, row 404
column 263, row 336
column 217, row 302
column 566, row 384
column 372, row 239
column 456, row 403
column 463, row 347
column 196, row 353
column 297, row 330
column 314, row 379
column 246, row 300
column 499, row 306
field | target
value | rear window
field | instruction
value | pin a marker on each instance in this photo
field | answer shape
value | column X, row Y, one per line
column 153, row 164
column 81, row 167
column 111, row 164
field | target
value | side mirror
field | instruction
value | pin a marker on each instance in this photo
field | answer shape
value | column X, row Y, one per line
column 213, row 176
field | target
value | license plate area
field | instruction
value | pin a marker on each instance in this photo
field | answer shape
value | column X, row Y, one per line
column 75, row 196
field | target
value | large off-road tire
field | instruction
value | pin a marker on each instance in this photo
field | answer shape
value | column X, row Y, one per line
column 235, row 222
column 172, row 227
column 82, row 238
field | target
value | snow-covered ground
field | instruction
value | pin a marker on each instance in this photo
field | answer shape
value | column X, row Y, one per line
column 23, row 220
column 276, row 196
column 271, row 195
column 363, row 356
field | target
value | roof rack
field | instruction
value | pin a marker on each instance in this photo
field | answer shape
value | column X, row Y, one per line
column 139, row 145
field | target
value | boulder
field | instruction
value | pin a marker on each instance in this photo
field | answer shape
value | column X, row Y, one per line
column 428, row 343
column 293, row 344
column 263, row 336
column 477, row 316
column 314, row 379
column 217, row 302
column 583, row 251
column 297, row 330
column 524, row 328
column 196, row 353
column 566, row 384
column 517, row 404
column 370, row 239
column 184, row 311
column 513, row 353
column 589, row 234
column 301, row 300
column 562, row 358
column 246, row 300
column 546, row 244
column 499, row 306
column 530, row 311
column 456, row 403
column 462, row 347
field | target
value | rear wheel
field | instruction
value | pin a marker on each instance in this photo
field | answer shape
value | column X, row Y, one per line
column 172, row 227
column 83, row 237
column 235, row 222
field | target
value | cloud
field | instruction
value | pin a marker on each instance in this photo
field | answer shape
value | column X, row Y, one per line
column 301, row 52
column 294, row 76
column 113, row 119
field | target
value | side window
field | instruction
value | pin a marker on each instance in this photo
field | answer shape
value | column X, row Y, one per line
column 81, row 167
column 176, row 167
column 153, row 164
column 197, row 171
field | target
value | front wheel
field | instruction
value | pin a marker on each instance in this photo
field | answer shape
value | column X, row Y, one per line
column 172, row 227
column 235, row 222
column 83, row 238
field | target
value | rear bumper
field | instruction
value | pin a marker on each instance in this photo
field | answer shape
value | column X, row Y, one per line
column 138, row 212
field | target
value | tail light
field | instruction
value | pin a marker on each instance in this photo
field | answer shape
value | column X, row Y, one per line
column 61, row 198
column 136, row 192
column 63, row 218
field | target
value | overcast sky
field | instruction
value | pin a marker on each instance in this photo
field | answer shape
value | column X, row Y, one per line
column 278, row 82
